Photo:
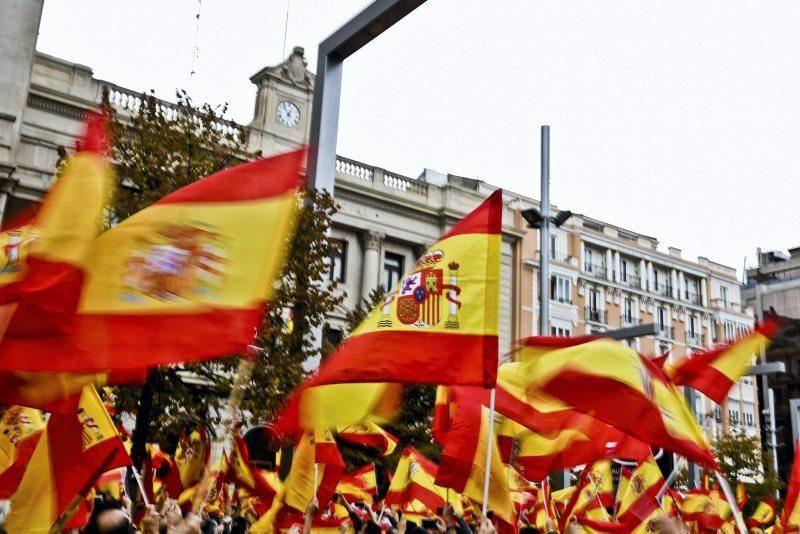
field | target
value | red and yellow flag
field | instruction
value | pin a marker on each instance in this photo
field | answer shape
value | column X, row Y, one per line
column 614, row 384
column 414, row 480
column 463, row 462
column 316, row 459
column 369, row 434
column 763, row 515
column 20, row 430
column 639, row 505
column 201, row 259
column 191, row 457
column 440, row 324
column 790, row 517
column 715, row 371
column 47, row 260
column 246, row 475
column 70, row 456
column 359, row 485
column 594, row 493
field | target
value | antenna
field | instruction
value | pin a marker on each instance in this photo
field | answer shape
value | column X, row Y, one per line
column 286, row 27
column 196, row 49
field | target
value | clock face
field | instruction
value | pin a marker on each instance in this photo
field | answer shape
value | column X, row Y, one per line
column 288, row 114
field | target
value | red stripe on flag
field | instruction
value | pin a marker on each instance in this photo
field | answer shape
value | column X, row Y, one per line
column 485, row 219
column 263, row 178
column 411, row 357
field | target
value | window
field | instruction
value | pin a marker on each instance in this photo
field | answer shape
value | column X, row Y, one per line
column 560, row 332
column 692, row 325
column 661, row 315
column 730, row 330
column 553, row 243
column 332, row 336
column 588, row 260
column 655, row 280
column 628, row 310
column 623, row 271
column 723, row 293
column 560, row 289
column 337, row 262
column 717, row 414
column 663, row 348
column 392, row 270
column 593, row 300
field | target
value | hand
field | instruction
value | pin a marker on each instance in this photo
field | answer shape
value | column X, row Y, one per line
column 191, row 524
column 440, row 525
column 574, row 528
column 485, row 526
column 448, row 513
column 313, row 508
column 401, row 523
column 150, row 520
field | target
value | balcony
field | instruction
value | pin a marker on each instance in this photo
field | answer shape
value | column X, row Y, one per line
column 632, row 280
column 598, row 270
column 562, row 300
column 630, row 320
column 665, row 290
column 695, row 339
column 665, row 332
column 723, row 304
column 595, row 316
column 694, row 298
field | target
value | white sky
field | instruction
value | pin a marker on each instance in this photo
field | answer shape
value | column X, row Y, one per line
column 677, row 119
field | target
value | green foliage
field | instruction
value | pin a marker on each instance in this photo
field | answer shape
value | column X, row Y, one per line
column 741, row 458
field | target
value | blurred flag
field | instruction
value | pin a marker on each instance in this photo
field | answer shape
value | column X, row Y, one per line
column 46, row 261
column 246, row 475
column 201, row 259
column 463, row 463
column 790, row 517
column 20, row 430
column 639, row 506
column 316, row 459
column 763, row 515
column 613, row 384
column 70, row 456
column 191, row 457
column 715, row 371
column 359, row 485
column 414, row 480
column 594, row 493
column 544, row 511
column 368, row 434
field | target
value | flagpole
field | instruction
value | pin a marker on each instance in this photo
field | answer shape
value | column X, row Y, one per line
column 597, row 494
column 240, row 379
column 488, row 454
column 544, row 500
column 737, row 514
column 141, row 486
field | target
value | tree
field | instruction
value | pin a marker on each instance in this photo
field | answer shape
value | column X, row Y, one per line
column 741, row 458
column 157, row 149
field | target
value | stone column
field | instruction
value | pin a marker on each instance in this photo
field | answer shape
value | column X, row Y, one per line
column 674, row 280
column 642, row 275
column 609, row 264
column 703, row 288
column 651, row 283
column 681, row 283
column 616, row 267
column 372, row 240
column 19, row 28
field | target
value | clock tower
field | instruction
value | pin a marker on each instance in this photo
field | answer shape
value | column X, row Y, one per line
column 282, row 118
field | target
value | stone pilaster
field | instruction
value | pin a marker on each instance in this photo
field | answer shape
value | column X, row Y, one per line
column 372, row 240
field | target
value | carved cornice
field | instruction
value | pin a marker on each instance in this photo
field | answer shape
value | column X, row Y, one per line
column 53, row 106
column 391, row 207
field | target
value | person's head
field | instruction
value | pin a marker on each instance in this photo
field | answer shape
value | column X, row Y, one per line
column 112, row 521
column 238, row 525
column 372, row 528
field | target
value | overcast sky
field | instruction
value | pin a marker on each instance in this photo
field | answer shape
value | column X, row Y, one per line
column 675, row 119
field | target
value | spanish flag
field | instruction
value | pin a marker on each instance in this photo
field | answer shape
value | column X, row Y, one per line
column 440, row 324
column 46, row 262
column 639, row 505
column 463, row 462
column 544, row 511
column 202, row 259
column 414, row 480
column 714, row 372
column 359, row 485
column 191, row 457
column 790, row 518
column 614, row 384
column 245, row 475
column 763, row 515
column 20, row 429
column 316, row 458
column 595, row 492
column 368, row 434
column 70, row 456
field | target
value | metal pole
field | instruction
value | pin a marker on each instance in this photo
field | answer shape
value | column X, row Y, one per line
column 544, row 237
column 692, row 468
column 488, row 472
column 767, row 407
column 773, row 441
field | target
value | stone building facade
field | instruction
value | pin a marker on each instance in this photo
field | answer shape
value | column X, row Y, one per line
column 603, row 276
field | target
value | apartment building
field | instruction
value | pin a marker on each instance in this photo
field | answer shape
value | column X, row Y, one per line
column 604, row 277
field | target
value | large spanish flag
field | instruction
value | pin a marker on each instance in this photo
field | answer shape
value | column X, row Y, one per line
column 316, row 459
column 202, row 259
column 71, row 455
column 614, row 384
column 715, row 371
column 46, row 261
column 440, row 324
